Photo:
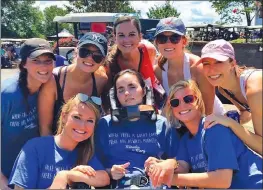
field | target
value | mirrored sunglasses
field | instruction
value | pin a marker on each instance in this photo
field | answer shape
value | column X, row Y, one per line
column 162, row 39
column 133, row 15
column 187, row 99
column 96, row 56
column 85, row 98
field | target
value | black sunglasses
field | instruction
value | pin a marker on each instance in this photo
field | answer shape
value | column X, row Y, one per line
column 85, row 98
column 187, row 99
column 84, row 52
column 162, row 39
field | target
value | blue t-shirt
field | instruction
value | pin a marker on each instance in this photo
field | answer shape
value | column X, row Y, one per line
column 134, row 141
column 18, row 124
column 219, row 148
column 40, row 160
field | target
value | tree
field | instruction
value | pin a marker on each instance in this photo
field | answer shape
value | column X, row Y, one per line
column 113, row 6
column 20, row 19
column 49, row 14
column 164, row 11
column 231, row 10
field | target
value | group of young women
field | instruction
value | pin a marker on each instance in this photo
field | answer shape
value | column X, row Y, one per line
column 100, row 126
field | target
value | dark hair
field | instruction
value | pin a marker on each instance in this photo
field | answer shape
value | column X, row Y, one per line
column 111, row 61
column 132, row 72
column 22, row 82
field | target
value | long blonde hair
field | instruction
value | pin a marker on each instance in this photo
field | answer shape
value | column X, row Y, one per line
column 85, row 148
column 177, row 86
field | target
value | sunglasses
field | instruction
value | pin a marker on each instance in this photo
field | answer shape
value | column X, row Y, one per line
column 85, row 98
column 162, row 39
column 84, row 52
column 187, row 99
column 133, row 15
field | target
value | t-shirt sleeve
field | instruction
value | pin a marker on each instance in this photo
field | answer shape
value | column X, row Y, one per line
column 25, row 170
column 219, row 149
column 182, row 153
column 100, row 137
column 95, row 163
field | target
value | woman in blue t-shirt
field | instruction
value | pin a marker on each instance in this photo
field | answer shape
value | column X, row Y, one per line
column 127, row 137
column 19, row 120
column 57, row 161
column 216, row 157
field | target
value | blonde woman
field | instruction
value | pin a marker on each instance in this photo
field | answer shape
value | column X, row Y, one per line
column 216, row 157
column 57, row 161
column 241, row 85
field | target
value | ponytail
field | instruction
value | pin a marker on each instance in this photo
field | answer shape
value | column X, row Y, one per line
column 22, row 82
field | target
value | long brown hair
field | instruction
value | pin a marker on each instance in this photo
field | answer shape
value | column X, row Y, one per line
column 111, row 60
column 85, row 148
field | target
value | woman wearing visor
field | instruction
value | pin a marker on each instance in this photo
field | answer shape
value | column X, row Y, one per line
column 175, row 63
column 19, row 121
column 59, row 161
column 123, row 146
column 241, row 85
column 85, row 75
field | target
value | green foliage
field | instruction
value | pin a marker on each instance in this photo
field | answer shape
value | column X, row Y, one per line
column 113, row 6
column 164, row 11
column 231, row 10
column 19, row 19
column 49, row 14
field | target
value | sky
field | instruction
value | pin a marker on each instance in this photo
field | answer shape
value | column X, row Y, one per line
column 192, row 12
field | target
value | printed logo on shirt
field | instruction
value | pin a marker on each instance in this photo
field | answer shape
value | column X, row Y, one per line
column 198, row 162
column 24, row 120
column 133, row 142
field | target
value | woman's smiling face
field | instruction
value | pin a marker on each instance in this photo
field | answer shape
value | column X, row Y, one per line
column 185, row 111
column 87, row 64
column 79, row 123
column 127, row 37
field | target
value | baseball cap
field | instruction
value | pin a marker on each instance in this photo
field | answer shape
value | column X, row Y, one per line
column 220, row 50
column 35, row 47
column 170, row 24
column 96, row 39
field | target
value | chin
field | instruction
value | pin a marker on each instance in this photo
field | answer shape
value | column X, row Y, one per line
column 187, row 117
column 87, row 69
column 43, row 80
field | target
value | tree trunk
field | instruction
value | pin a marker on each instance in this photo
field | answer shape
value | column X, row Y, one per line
column 245, row 4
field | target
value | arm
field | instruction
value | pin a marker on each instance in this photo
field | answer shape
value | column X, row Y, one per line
column 207, row 90
column 214, row 179
column 101, row 179
column 46, row 101
column 254, row 98
column 4, row 182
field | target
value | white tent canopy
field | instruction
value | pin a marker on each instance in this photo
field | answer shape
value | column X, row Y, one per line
column 63, row 34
